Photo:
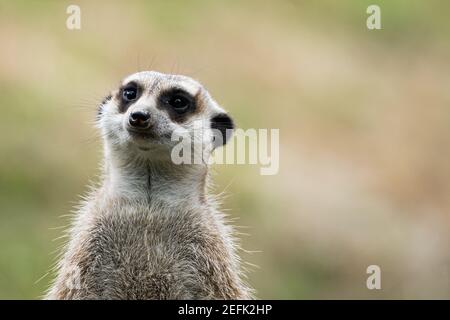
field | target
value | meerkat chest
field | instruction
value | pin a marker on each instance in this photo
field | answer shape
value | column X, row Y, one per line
column 150, row 254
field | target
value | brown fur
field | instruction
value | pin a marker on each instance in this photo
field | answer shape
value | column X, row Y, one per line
column 137, row 253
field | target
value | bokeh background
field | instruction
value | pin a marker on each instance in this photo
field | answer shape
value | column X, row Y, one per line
column 364, row 119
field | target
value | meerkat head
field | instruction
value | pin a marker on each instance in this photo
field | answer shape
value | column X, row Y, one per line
column 141, row 117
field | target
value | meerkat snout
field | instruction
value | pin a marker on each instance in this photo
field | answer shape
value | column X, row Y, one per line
column 139, row 120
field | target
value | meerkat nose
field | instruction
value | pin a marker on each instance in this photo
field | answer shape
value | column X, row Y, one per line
column 139, row 119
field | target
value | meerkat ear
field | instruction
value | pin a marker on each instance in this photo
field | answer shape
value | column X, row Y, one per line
column 222, row 126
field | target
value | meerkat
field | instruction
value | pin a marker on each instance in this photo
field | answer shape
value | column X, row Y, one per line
column 150, row 230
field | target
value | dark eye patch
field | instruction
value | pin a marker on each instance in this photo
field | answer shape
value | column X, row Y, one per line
column 128, row 94
column 178, row 103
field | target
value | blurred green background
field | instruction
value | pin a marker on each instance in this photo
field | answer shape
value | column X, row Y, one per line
column 364, row 119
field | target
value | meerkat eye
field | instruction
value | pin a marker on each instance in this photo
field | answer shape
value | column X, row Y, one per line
column 179, row 103
column 129, row 93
